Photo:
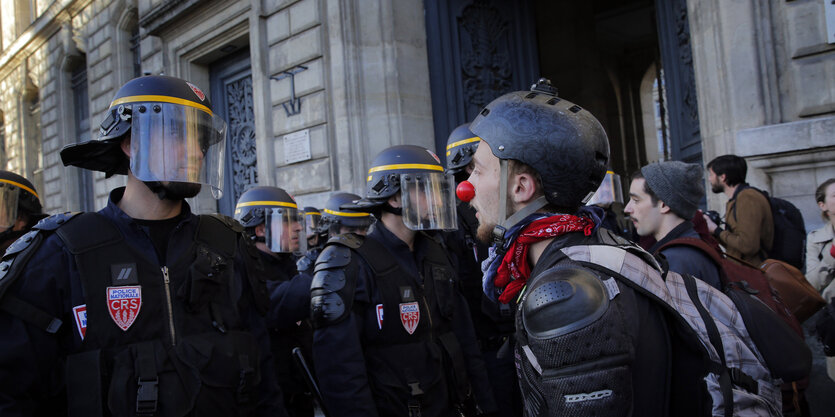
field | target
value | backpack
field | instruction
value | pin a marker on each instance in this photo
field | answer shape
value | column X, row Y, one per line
column 789, row 242
column 741, row 371
column 742, row 276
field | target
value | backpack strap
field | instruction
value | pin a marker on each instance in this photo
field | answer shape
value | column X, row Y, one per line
column 715, row 340
column 14, row 263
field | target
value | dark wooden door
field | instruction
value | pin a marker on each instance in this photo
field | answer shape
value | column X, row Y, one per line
column 679, row 80
column 478, row 50
column 231, row 88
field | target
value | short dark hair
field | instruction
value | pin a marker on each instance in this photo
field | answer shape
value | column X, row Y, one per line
column 732, row 167
column 638, row 175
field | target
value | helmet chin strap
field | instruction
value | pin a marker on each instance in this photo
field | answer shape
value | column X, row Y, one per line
column 157, row 188
column 506, row 223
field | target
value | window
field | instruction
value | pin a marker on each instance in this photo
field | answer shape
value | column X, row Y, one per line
column 135, row 52
column 78, row 82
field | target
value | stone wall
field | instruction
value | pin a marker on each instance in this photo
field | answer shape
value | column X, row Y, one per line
column 765, row 77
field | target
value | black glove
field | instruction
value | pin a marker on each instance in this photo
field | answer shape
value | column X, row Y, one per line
column 825, row 328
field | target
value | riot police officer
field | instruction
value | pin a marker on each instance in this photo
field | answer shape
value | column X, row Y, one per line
column 315, row 239
column 582, row 348
column 276, row 225
column 143, row 308
column 339, row 221
column 20, row 207
column 493, row 322
column 392, row 333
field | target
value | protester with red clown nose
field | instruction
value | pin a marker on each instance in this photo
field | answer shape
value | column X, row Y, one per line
column 539, row 159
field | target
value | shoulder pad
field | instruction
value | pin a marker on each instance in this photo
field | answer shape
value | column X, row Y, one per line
column 331, row 295
column 351, row 240
column 333, row 256
column 563, row 299
column 228, row 221
column 21, row 244
column 55, row 221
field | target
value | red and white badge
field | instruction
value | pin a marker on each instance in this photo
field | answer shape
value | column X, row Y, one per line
column 198, row 92
column 80, row 314
column 380, row 316
column 410, row 316
column 123, row 303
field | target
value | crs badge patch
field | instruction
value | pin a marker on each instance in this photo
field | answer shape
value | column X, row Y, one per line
column 123, row 303
column 80, row 314
column 410, row 316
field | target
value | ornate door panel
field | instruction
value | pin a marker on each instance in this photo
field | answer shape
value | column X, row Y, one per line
column 231, row 83
column 478, row 50
column 679, row 80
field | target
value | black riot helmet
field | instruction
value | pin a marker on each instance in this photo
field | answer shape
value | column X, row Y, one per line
column 427, row 193
column 337, row 220
column 461, row 146
column 174, row 135
column 563, row 142
column 278, row 212
column 17, row 195
column 312, row 220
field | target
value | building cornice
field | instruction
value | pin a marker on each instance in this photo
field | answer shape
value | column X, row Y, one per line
column 46, row 25
column 165, row 14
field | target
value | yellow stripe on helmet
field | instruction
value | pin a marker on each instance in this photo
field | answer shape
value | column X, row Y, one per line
column 162, row 99
column 428, row 167
column 21, row 186
column 462, row 142
column 266, row 203
column 346, row 214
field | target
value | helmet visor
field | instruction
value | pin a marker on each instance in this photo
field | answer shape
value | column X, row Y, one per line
column 342, row 222
column 285, row 230
column 312, row 222
column 610, row 191
column 174, row 142
column 8, row 205
column 428, row 201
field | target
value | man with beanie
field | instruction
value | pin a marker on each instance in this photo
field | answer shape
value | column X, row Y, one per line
column 663, row 197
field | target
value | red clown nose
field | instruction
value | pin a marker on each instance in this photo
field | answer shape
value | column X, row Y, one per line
column 831, row 248
column 465, row 191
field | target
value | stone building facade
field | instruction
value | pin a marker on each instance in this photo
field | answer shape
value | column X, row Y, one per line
column 682, row 79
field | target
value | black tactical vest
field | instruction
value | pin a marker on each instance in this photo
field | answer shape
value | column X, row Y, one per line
column 179, row 350
column 606, row 354
column 415, row 358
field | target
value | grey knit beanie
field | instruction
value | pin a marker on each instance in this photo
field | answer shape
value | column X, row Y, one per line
column 679, row 185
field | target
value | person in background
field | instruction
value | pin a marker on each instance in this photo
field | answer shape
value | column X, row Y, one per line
column 20, row 207
column 276, row 226
column 750, row 227
column 662, row 198
column 820, row 256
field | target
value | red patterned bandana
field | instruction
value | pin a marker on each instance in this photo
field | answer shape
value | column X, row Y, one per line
column 514, row 270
